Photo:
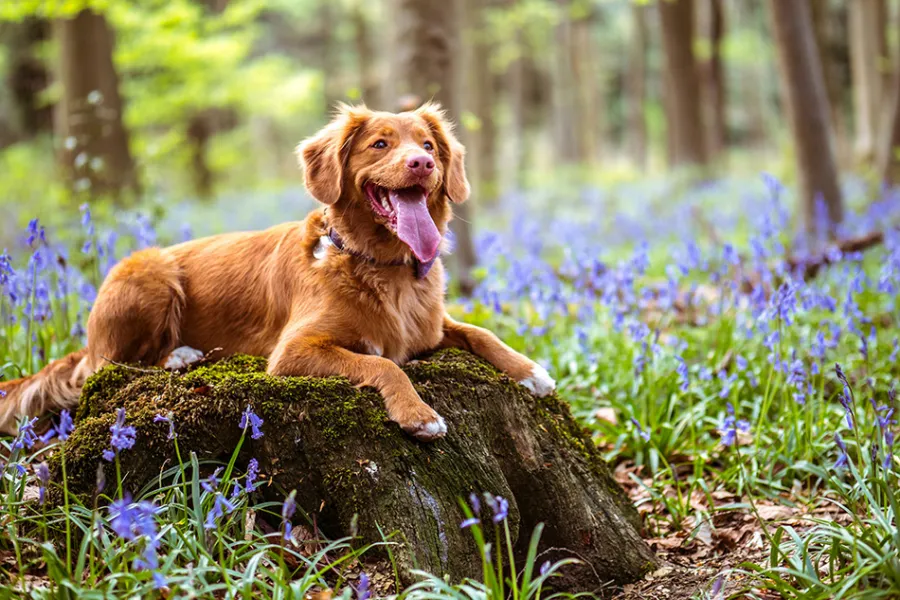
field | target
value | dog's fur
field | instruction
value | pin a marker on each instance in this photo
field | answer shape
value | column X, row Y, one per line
column 288, row 294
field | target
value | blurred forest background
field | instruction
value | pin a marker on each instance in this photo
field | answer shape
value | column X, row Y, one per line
column 167, row 103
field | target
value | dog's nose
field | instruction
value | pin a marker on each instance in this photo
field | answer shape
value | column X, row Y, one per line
column 421, row 165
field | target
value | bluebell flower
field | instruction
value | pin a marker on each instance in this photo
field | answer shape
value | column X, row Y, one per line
column 159, row 582
column 287, row 511
column 122, row 438
column 545, row 568
column 168, row 420
column 221, row 507
column 645, row 435
column 843, row 459
column 248, row 417
column 211, row 483
column 499, row 505
column 362, row 590
column 469, row 522
column 252, row 473
column 475, row 503
column 731, row 426
column 43, row 474
column 26, row 437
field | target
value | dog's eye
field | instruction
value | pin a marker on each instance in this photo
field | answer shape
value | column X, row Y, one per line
column 428, row 146
column 380, row 144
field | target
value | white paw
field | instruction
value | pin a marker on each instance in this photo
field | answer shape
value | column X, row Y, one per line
column 182, row 357
column 430, row 431
column 539, row 383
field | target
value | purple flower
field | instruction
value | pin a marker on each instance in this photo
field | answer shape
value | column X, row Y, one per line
column 26, row 437
column 500, row 506
column 252, row 473
column 122, row 437
column 66, row 426
column 645, row 435
column 287, row 511
column 475, row 503
column 166, row 419
column 221, row 507
column 159, row 582
column 843, row 459
column 43, row 474
column 362, row 590
column 134, row 522
column 248, row 417
column 469, row 522
column 730, row 427
column 211, row 483
column 545, row 568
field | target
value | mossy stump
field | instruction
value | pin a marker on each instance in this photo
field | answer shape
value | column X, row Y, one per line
column 334, row 444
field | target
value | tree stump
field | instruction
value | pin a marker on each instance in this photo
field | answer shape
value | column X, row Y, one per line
column 334, row 444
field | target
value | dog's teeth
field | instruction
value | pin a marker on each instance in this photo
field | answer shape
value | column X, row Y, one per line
column 385, row 204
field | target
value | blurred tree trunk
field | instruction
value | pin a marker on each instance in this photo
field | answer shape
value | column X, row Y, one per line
column 574, row 82
column 89, row 123
column 426, row 46
column 365, row 56
column 867, row 83
column 683, row 94
column 26, row 77
column 328, row 54
column 889, row 141
column 589, row 99
column 480, row 92
column 714, row 81
column 636, row 83
column 807, row 103
column 823, row 20
column 527, row 92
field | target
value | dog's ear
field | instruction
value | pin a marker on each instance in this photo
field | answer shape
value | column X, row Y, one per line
column 324, row 155
column 451, row 153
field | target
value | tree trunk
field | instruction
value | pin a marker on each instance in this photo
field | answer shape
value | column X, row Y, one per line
column 867, row 82
column 332, row 443
column 825, row 42
column 365, row 55
column 636, row 82
column 889, row 140
column 480, row 93
column 714, row 82
column 807, row 104
column 426, row 44
column 328, row 55
column 95, row 153
column 23, row 116
column 685, row 126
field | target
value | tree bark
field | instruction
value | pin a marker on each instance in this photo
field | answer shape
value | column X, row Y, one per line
column 714, row 82
column 683, row 95
column 636, row 81
column 332, row 443
column 481, row 95
column 867, row 82
column 807, row 103
column 365, row 56
column 95, row 153
column 26, row 77
column 826, row 42
column 889, row 140
column 426, row 44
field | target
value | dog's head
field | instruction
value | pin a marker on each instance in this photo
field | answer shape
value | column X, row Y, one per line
column 388, row 177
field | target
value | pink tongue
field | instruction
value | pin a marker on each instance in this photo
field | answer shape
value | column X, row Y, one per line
column 414, row 224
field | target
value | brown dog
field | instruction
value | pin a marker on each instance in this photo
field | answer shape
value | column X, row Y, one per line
column 355, row 290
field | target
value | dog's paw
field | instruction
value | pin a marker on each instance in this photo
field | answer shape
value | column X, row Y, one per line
column 422, row 422
column 539, row 382
column 182, row 357
column 429, row 430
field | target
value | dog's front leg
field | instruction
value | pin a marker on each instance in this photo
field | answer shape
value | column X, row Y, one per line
column 488, row 346
column 321, row 357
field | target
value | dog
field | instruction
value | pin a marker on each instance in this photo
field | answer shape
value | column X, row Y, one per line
column 356, row 289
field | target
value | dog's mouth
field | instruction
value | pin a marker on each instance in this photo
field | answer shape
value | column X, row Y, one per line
column 405, row 212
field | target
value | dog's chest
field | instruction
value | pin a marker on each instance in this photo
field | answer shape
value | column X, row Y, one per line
column 403, row 324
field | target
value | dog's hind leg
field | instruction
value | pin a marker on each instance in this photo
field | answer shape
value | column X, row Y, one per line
column 137, row 316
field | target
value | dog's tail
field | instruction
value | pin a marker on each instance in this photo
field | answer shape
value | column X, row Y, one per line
column 56, row 386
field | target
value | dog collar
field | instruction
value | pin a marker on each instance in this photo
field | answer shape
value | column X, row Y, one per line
column 420, row 268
